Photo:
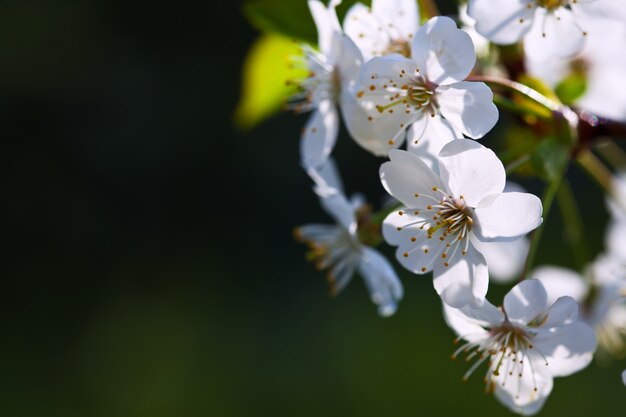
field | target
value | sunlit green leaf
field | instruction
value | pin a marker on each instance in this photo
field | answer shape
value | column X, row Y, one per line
column 265, row 74
column 572, row 88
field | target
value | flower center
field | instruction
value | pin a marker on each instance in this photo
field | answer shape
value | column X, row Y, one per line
column 454, row 217
column 508, row 348
column 398, row 46
column 331, row 249
column 322, row 81
column 447, row 223
column 551, row 5
column 415, row 94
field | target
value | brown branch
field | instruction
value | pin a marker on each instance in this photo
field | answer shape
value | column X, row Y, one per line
column 592, row 128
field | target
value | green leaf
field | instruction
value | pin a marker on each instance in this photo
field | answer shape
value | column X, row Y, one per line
column 572, row 88
column 549, row 159
column 290, row 18
column 266, row 72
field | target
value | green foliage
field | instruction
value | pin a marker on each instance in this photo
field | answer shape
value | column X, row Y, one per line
column 265, row 74
column 572, row 88
column 289, row 18
column 549, row 159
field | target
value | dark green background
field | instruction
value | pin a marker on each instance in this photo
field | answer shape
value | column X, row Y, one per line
column 149, row 268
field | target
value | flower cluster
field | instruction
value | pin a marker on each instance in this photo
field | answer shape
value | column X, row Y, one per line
column 410, row 90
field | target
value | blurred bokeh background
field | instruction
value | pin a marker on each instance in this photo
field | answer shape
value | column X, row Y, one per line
column 149, row 267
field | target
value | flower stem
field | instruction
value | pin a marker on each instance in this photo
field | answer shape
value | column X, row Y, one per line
column 548, row 199
column 593, row 129
column 514, row 165
column 612, row 153
column 507, row 104
column 574, row 227
column 596, row 170
column 522, row 89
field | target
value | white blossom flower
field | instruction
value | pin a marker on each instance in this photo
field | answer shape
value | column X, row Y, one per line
column 527, row 343
column 448, row 208
column 385, row 28
column 601, row 293
column 332, row 71
column 425, row 91
column 624, row 377
column 602, row 63
column 337, row 249
column 548, row 27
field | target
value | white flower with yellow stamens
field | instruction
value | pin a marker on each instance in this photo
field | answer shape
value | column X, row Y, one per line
column 601, row 293
column 332, row 71
column 527, row 343
column 447, row 208
column 426, row 92
column 549, row 28
column 385, row 28
column 337, row 249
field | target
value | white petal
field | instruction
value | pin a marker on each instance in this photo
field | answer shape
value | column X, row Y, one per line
column 604, row 9
column 349, row 61
column 468, row 322
column 400, row 16
column 616, row 239
column 326, row 22
column 319, row 135
column 375, row 91
column 551, row 70
column 527, row 301
column 443, row 53
column 564, row 311
column 338, row 207
column 409, row 179
column 624, row 377
column 465, row 323
column 469, row 106
column 366, row 30
column 525, row 395
column 341, row 273
column 554, row 35
column 513, row 187
column 559, row 281
column 472, row 171
column 509, row 217
column 501, row 24
column 327, row 176
column 505, row 260
column 395, row 229
column 568, row 349
column 371, row 136
column 416, row 252
column 608, row 269
column 382, row 282
column 428, row 135
column 464, row 282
